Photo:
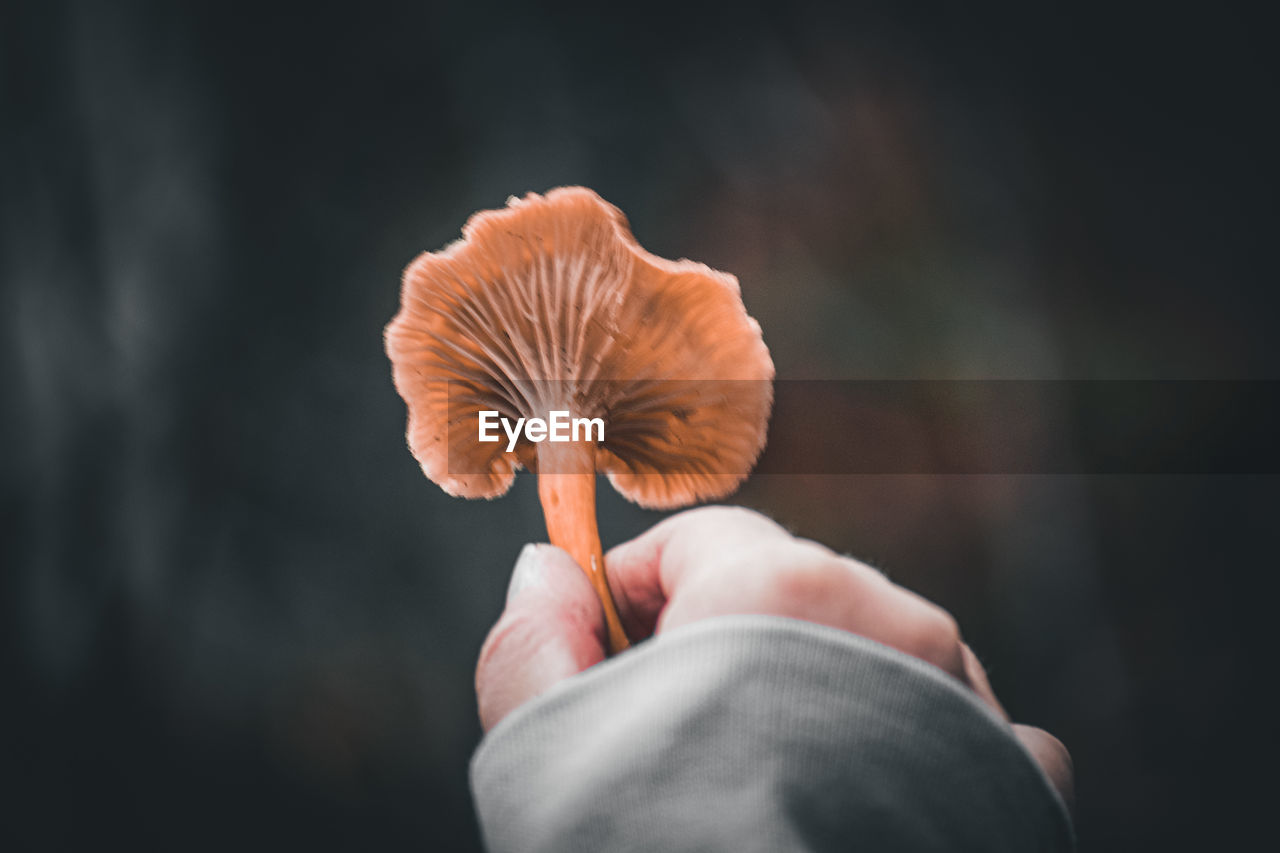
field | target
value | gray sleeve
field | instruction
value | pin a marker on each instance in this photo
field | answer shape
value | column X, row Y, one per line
column 750, row 733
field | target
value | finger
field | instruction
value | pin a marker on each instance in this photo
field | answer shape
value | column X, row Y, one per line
column 720, row 561
column 552, row 628
column 1053, row 758
column 644, row 572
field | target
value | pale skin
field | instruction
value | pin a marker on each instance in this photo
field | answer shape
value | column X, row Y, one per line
column 717, row 561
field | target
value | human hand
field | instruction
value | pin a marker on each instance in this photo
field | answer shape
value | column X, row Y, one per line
column 716, row 561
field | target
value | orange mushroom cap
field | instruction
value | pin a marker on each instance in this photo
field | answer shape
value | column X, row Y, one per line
column 550, row 303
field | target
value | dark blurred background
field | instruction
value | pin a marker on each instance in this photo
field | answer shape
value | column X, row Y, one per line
column 237, row 615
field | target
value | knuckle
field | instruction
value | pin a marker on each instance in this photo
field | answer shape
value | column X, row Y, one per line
column 803, row 576
column 517, row 634
column 509, row 630
column 934, row 637
column 493, row 677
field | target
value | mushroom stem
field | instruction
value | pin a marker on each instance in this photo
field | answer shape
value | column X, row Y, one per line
column 567, row 489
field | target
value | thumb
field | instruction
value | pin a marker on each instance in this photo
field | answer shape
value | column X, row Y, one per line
column 552, row 628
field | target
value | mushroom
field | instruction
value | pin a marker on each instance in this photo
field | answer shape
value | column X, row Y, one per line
column 550, row 305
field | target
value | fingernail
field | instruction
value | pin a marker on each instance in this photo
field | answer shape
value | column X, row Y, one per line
column 527, row 572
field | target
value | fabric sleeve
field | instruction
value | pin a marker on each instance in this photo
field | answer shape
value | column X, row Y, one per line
column 759, row 733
